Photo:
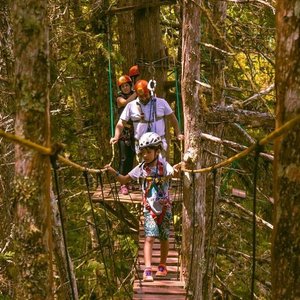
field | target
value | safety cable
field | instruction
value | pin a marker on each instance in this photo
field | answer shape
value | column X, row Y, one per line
column 264, row 141
column 53, row 160
column 193, row 235
column 85, row 175
column 178, row 99
column 112, row 122
column 109, row 232
column 116, row 198
column 108, row 229
column 258, row 149
column 212, row 213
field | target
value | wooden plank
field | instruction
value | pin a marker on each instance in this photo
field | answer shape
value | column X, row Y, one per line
column 159, row 290
column 157, row 246
column 110, row 193
column 161, row 297
column 171, row 269
column 156, row 260
column 156, row 253
column 169, row 287
column 165, row 283
column 238, row 193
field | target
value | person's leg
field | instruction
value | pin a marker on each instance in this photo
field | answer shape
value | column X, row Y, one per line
column 128, row 157
column 122, row 154
column 149, row 240
column 151, row 231
column 164, row 249
column 164, row 232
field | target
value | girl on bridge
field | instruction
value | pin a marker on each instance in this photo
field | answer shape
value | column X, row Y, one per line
column 154, row 172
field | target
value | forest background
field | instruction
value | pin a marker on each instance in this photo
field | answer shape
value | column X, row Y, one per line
column 59, row 64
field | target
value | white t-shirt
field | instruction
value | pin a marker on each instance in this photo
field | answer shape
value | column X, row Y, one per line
column 154, row 112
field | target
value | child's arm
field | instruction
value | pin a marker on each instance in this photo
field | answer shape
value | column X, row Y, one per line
column 123, row 179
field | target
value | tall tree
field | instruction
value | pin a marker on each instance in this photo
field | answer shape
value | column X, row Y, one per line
column 127, row 37
column 32, row 213
column 148, row 32
column 194, row 184
column 6, row 147
column 286, row 241
column 213, row 180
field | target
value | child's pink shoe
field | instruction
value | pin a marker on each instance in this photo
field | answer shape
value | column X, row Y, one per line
column 147, row 276
column 124, row 190
column 161, row 271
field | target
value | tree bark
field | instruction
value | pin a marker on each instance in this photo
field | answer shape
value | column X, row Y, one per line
column 127, row 38
column 214, row 179
column 286, row 242
column 33, row 232
column 150, row 49
column 194, row 184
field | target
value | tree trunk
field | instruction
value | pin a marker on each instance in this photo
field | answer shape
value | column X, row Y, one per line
column 286, row 242
column 33, row 242
column 150, row 48
column 6, row 147
column 127, row 37
column 214, row 179
column 194, row 184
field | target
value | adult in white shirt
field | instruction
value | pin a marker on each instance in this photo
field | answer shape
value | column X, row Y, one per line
column 148, row 114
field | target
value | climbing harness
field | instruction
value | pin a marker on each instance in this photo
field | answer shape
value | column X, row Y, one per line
column 155, row 199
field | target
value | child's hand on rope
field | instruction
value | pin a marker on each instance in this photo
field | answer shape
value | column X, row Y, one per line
column 110, row 169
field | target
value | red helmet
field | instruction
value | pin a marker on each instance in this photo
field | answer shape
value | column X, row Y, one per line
column 141, row 88
column 124, row 79
column 134, row 71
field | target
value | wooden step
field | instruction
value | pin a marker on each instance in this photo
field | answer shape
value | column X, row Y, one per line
column 159, row 290
column 156, row 253
column 161, row 297
column 157, row 246
column 171, row 261
column 165, row 283
column 157, row 241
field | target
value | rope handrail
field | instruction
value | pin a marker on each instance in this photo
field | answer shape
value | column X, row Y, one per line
column 47, row 151
column 50, row 151
column 272, row 136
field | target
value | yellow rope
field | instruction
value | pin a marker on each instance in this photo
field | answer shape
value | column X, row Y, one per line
column 46, row 151
column 272, row 136
column 50, row 151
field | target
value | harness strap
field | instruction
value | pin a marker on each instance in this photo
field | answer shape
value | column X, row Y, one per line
column 157, row 219
column 147, row 121
column 150, row 180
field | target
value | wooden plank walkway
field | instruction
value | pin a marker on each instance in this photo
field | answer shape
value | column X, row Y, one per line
column 172, row 287
column 134, row 197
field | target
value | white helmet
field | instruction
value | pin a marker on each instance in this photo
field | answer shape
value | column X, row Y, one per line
column 149, row 139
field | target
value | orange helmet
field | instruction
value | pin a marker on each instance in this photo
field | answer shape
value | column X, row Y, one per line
column 134, row 71
column 124, row 79
column 141, row 88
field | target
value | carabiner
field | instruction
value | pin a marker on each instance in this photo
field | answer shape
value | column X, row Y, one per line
column 151, row 86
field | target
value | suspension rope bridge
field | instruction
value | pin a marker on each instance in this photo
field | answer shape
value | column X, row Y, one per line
column 143, row 290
